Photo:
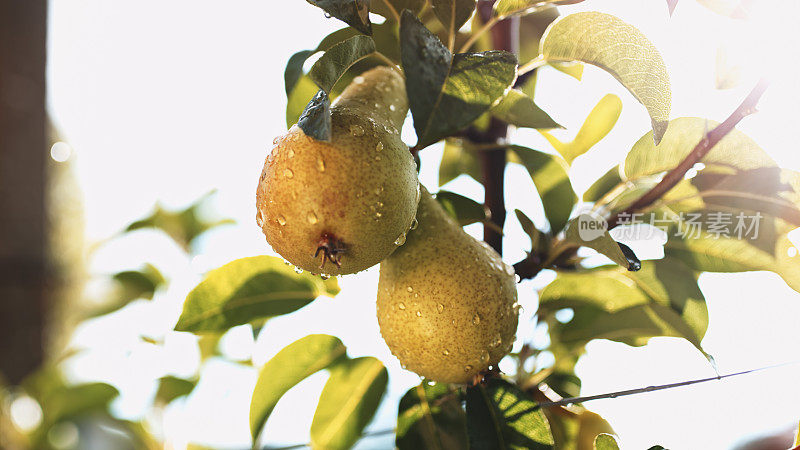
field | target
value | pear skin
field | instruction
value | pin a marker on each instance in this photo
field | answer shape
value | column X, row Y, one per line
column 338, row 207
column 447, row 304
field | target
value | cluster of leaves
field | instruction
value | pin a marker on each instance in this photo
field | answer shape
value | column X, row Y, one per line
column 453, row 96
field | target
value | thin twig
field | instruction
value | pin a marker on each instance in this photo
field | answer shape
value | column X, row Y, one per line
column 574, row 400
column 390, row 63
column 535, row 63
column 474, row 37
column 392, row 10
column 527, row 268
column 674, row 176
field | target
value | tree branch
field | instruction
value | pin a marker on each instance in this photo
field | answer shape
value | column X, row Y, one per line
column 493, row 162
column 531, row 265
column 674, row 176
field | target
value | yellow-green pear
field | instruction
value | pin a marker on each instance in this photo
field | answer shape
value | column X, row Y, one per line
column 447, row 303
column 342, row 206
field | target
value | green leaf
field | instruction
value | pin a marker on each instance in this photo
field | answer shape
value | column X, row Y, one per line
column 603, row 185
column 589, row 231
column 170, row 388
column 71, row 402
column 348, row 401
column 248, row 289
column 597, row 125
column 379, row 7
column 605, row 441
column 458, row 158
column 336, row 60
column 431, row 417
column 506, row 8
column 519, row 110
column 538, row 239
column 549, row 174
column 619, row 48
column 183, row 226
column 575, row 70
column 445, row 92
column 662, row 299
column 293, row 364
column 465, row 210
column 315, row 121
column 352, row 12
column 501, row 416
column 734, row 150
column 298, row 99
column 294, row 69
column 453, row 13
column 132, row 285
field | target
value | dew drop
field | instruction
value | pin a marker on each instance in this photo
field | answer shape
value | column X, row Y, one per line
column 410, row 289
column 419, row 313
column 260, row 218
column 496, row 341
column 378, row 215
column 282, row 220
column 476, row 319
column 467, row 368
column 288, row 173
column 290, row 153
column 509, row 269
column 276, row 140
column 379, row 146
column 414, row 224
column 392, row 108
column 320, row 165
column 440, row 308
column 327, row 15
column 324, row 276
column 298, row 270
column 379, row 204
column 446, row 352
column 484, row 357
column 356, row 130
column 378, row 190
column 401, row 306
column 400, row 241
column 377, row 158
column 358, row 80
column 311, row 217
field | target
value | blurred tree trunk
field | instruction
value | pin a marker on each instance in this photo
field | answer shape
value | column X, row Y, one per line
column 23, row 151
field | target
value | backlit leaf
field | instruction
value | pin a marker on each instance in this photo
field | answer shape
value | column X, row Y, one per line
column 431, row 417
column 587, row 230
column 183, row 226
column 293, row 364
column 465, row 210
column 549, row 175
column 352, row 12
column 453, row 13
column 603, row 185
column 337, row 59
column 348, row 401
column 605, row 442
column 294, row 69
column 171, row 387
column 597, row 125
column 619, row 48
column 248, row 289
column 379, row 7
column 445, row 92
column 501, row 416
column 458, row 158
column 520, row 110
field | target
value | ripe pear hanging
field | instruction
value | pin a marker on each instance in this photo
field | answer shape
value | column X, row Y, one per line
column 340, row 207
column 446, row 302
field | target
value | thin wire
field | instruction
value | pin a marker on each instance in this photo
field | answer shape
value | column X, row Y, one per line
column 573, row 400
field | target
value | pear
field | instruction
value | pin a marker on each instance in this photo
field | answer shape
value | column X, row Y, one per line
column 342, row 206
column 447, row 304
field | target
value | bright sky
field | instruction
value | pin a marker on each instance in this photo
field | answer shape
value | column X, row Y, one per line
column 165, row 101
